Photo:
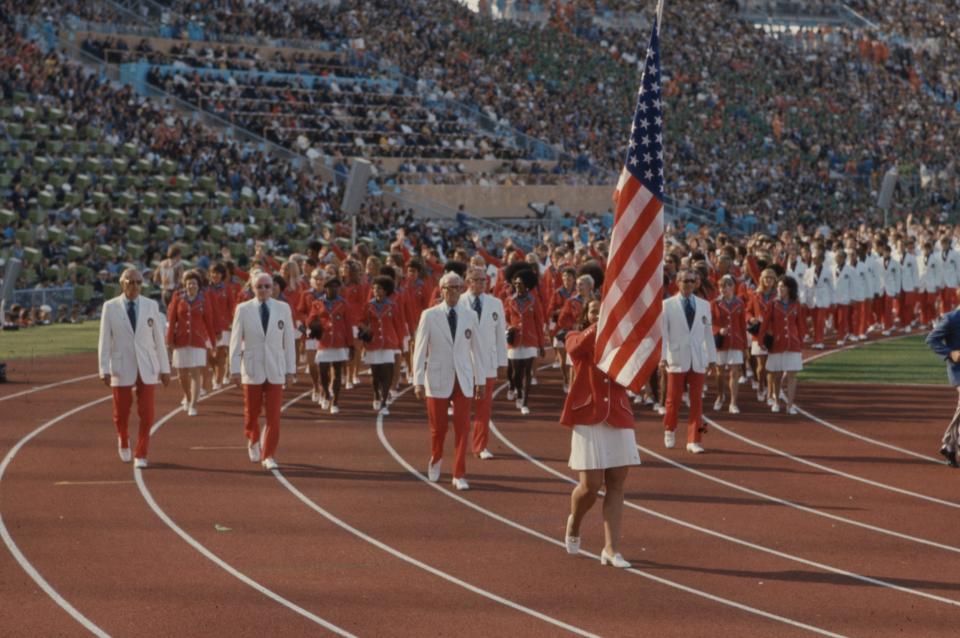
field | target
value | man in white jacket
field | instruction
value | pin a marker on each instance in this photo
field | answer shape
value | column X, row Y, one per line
column 843, row 277
column 689, row 353
column 133, row 353
column 909, row 282
column 891, row 286
column 492, row 336
column 931, row 281
column 950, row 272
column 262, row 358
column 818, row 282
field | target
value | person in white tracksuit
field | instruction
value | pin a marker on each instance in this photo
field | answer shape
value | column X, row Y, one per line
column 930, row 283
column 909, row 282
column 950, row 271
column 891, row 286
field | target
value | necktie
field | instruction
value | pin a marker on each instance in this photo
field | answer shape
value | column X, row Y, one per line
column 132, row 314
column 689, row 311
column 264, row 316
column 452, row 320
column 477, row 306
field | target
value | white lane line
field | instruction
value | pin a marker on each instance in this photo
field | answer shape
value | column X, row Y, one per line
column 663, row 581
column 827, row 469
column 410, row 559
column 798, row 506
column 12, row 546
column 867, row 439
column 49, row 385
column 732, row 539
column 194, row 543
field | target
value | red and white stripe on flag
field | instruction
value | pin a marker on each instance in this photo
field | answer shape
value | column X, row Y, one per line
column 628, row 332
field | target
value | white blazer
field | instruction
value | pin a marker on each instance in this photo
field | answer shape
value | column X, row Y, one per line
column 684, row 347
column 492, row 333
column 950, row 268
column 909, row 278
column 842, row 282
column 930, row 279
column 438, row 359
column 819, row 289
column 124, row 354
column 891, row 277
column 262, row 358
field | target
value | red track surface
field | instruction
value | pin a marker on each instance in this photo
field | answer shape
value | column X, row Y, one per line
column 351, row 536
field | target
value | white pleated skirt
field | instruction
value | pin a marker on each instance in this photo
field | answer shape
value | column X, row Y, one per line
column 785, row 362
column 522, row 352
column 224, row 340
column 332, row 355
column 189, row 358
column 600, row 447
column 729, row 357
column 377, row 357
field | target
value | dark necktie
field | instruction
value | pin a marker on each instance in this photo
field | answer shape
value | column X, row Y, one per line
column 689, row 311
column 477, row 305
column 452, row 320
column 132, row 314
column 264, row 316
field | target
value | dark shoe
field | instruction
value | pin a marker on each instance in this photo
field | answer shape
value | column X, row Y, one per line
column 950, row 455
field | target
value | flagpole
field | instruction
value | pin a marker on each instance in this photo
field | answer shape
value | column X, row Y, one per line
column 659, row 15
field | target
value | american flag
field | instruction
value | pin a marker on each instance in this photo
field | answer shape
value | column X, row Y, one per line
column 628, row 333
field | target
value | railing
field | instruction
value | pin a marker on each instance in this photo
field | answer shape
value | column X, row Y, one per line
column 57, row 298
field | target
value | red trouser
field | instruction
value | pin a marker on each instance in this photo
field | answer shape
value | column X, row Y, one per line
column 819, row 322
column 948, row 299
column 481, row 419
column 877, row 310
column 675, row 385
column 122, row 402
column 888, row 303
column 437, row 414
column 866, row 316
column 928, row 307
column 908, row 301
column 254, row 398
column 841, row 317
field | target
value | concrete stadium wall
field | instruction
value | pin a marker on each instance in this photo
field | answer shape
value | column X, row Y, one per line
column 511, row 201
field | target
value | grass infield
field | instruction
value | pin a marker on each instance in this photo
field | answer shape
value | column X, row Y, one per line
column 49, row 341
column 907, row 360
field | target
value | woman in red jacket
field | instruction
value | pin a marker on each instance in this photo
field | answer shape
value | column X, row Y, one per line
column 730, row 332
column 524, row 320
column 783, row 330
column 382, row 330
column 224, row 303
column 190, row 331
column 561, row 293
column 356, row 293
column 311, row 296
column 758, row 302
column 331, row 324
column 602, row 446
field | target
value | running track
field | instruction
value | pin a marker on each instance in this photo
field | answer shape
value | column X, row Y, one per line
column 840, row 525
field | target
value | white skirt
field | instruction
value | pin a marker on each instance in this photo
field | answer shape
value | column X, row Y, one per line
column 311, row 344
column 332, row 355
column 757, row 349
column 521, row 353
column 785, row 362
column 729, row 357
column 600, row 447
column 224, row 340
column 189, row 358
column 377, row 357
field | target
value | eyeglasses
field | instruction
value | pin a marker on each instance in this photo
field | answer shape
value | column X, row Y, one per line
column 688, row 281
column 451, row 287
column 264, row 286
column 137, row 282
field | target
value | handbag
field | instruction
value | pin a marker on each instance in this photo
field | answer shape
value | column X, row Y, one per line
column 768, row 341
column 511, row 336
column 718, row 339
column 364, row 335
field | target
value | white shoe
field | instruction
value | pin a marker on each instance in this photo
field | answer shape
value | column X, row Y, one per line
column 886, row 333
column 616, row 560
column 662, row 411
column 775, row 408
column 334, row 409
column 253, row 451
column 192, row 411
column 755, row 385
column 324, row 403
column 203, row 392
column 840, row 342
column 433, row 470
column 393, row 396
column 555, row 365
column 511, row 395
column 461, row 484
column 140, row 464
column 695, row 448
column 749, row 373
column 270, row 464
column 449, row 410
column 817, row 346
column 718, row 404
column 669, row 439
column 124, row 452
column 348, row 386
column 524, row 410
column 761, row 396
column 377, row 405
column 734, row 409
column 566, row 390
column 792, row 410
column 485, row 454
column 770, row 401
column 315, row 396
column 686, row 399
column 216, row 386
column 572, row 543
column 518, row 403
column 533, row 381
column 183, row 404
column 741, row 380
column 385, row 411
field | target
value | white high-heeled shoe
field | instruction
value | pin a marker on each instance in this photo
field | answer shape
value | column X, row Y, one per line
column 572, row 542
column 616, row 560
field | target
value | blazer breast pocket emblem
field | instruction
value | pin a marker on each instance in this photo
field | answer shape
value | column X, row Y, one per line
column 150, row 322
column 704, row 320
column 280, row 325
column 467, row 333
column 495, row 316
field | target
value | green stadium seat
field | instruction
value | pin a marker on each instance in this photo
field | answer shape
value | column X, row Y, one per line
column 200, row 198
column 68, row 131
column 83, row 293
column 5, row 180
column 218, row 232
column 110, row 290
column 223, row 198
column 29, row 113
column 150, row 198
column 137, row 233
column 99, row 197
column 76, row 252
column 125, row 199
column 106, row 251
column 134, row 250
column 109, row 182
column 36, row 214
column 57, row 180
column 174, row 214
column 68, row 164
column 191, row 232
column 55, row 115
column 91, row 132
column 168, row 166
column 254, row 230
column 130, row 149
column 73, row 198
column 85, row 233
column 15, row 129
column 158, row 182
column 54, row 147
column 119, row 214
column 261, row 214
column 174, row 198
column 46, row 198
column 90, row 216
column 143, row 165
column 164, row 232
column 207, row 183
column 31, row 255
column 82, row 182
column 57, row 235
column 41, row 131
column 120, row 165
column 7, row 217
column 209, row 215
column 93, row 164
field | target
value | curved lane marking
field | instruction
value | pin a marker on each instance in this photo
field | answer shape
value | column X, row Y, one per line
column 25, row 564
column 48, row 386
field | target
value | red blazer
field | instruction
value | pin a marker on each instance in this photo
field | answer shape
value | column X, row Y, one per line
column 224, row 302
column 784, row 325
column 334, row 319
column 305, row 305
column 190, row 324
column 757, row 309
column 560, row 296
column 733, row 317
column 526, row 316
column 570, row 313
column 417, row 300
column 400, row 297
column 386, row 323
column 594, row 397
